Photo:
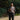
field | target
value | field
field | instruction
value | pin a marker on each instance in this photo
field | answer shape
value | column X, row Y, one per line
column 7, row 18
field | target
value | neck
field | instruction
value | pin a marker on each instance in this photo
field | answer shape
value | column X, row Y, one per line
column 11, row 6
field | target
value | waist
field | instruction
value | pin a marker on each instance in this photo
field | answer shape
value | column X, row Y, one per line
column 13, row 11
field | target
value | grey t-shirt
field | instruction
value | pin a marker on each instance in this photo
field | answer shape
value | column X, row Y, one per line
column 12, row 9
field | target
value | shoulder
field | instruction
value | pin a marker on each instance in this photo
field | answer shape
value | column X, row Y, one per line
column 13, row 7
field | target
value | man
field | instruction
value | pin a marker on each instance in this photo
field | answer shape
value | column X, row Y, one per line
column 11, row 11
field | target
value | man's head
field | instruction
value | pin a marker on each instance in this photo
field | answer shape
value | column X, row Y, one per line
column 11, row 3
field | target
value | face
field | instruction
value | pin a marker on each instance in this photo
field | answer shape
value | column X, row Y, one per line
column 11, row 4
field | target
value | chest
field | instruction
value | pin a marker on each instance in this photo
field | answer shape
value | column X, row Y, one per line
column 12, row 8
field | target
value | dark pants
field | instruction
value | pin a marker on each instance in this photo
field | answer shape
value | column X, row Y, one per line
column 10, row 15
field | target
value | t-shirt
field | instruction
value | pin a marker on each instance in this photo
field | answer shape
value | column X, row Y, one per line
column 12, row 9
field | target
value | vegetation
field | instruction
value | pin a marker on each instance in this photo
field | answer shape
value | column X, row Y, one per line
column 6, row 3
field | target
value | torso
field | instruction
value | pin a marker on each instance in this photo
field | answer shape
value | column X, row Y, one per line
column 12, row 9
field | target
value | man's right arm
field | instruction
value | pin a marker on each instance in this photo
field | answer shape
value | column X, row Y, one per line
column 9, row 9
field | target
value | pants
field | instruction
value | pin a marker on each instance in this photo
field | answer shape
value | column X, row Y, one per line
column 11, row 16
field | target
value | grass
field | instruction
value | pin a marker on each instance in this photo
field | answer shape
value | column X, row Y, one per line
column 17, row 14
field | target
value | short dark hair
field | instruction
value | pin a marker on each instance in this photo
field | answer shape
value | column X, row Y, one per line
column 11, row 2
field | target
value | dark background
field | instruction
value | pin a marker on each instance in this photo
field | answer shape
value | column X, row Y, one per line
column 4, row 5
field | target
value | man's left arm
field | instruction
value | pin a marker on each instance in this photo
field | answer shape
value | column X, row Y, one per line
column 14, row 9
